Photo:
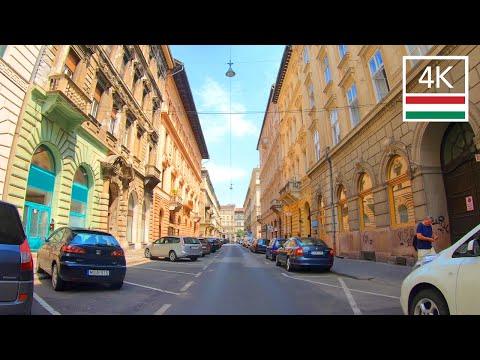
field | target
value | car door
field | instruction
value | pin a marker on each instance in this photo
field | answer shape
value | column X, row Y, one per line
column 46, row 251
column 156, row 249
column 282, row 252
column 468, row 284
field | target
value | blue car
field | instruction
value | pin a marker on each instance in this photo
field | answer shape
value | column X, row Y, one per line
column 271, row 251
column 259, row 245
column 305, row 252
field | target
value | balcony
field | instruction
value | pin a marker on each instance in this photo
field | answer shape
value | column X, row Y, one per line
column 66, row 103
column 275, row 205
column 259, row 218
column 290, row 193
column 175, row 203
column 152, row 176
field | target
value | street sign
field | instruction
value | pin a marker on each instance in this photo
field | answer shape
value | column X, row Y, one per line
column 469, row 201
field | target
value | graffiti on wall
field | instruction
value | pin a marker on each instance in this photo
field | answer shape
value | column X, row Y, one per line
column 366, row 239
column 443, row 228
column 406, row 236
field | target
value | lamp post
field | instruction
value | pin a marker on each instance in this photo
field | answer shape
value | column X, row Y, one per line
column 327, row 157
column 230, row 74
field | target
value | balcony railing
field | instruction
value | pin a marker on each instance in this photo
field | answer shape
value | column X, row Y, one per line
column 152, row 176
column 290, row 193
column 175, row 203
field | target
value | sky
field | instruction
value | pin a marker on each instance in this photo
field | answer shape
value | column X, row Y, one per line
column 256, row 68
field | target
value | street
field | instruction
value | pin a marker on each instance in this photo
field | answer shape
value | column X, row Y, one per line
column 232, row 281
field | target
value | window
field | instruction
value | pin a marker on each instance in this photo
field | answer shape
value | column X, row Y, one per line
column 418, row 50
column 322, row 225
column 365, row 197
column 128, row 131
column 379, row 76
column 71, row 64
column 113, row 120
column 400, row 192
column 2, row 50
column 310, row 96
column 125, row 59
column 305, row 163
column 138, row 143
column 97, row 95
column 78, row 205
column 352, row 100
column 335, row 126
column 342, row 210
column 326, row 70
column 305, row 55
column 342, row 50
column 316, row 143
column 144, row 98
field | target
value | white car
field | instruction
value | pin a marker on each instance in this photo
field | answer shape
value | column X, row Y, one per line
column 446, row 283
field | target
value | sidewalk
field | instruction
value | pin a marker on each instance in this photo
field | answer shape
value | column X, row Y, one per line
column 135, row 256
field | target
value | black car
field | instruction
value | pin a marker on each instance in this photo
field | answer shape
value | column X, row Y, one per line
column 215, row 244
column 16, row 264
column 81, row 255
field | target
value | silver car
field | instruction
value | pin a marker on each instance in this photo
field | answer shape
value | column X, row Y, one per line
column 175, row 247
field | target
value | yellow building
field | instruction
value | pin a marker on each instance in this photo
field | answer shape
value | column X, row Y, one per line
column 386, row 174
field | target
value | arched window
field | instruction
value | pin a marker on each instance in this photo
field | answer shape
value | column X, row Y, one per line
column 400, row 192
column 322, row 229
column 342, row 210
column 78, row 205
column 130, row 213
column 365, row 197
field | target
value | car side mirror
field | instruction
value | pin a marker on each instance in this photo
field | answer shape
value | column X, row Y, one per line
column 474, row 247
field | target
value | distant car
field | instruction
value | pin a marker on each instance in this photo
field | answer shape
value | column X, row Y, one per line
column 206, row 247
column 80, row 255
column 16, row 264
column 305, row 252
column 215, row 243
column 259, row 245
column 271, row 250
column 174, row 248
column 446, row 283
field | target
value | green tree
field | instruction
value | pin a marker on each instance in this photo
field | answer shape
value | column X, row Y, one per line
column 240, row 233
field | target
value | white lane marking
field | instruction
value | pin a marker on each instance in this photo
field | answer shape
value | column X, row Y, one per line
column 372, row 293
column 47, row 307
column 171, row 271
column 205, row 267
column 350, row 298
column 315, row 282
column 162, row 310
column 198, row 274
column 267, row 263
column 187, row 285
column 152, row 288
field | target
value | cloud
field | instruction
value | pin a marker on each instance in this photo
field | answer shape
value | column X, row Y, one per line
column 223, row 173
column 212, row 97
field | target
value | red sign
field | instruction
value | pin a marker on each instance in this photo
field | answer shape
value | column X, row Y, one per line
column 469, row 201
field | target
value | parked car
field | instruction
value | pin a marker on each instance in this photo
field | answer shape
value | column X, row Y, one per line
column 259, row 245
column 215, row 243
column 16, row 264
column 174, row 248
column 271, row 250
column 446, row 283
column 206, row 247
column 305, row 252
column 80, row 255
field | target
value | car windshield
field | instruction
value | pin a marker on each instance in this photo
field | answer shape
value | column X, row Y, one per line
column 203, row 241
column 190, row 240
column 263, row 242
column 96, row 239
column 281, row 242
column 311, row 242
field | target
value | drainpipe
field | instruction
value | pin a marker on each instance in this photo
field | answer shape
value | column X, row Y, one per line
column 327, row 149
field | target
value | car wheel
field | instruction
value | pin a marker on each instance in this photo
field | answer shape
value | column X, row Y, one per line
column 213, row 251
column 266, row 256
column 148, row 255
column 203, row 255
column 57, row 283
column 116, row 286
column 289, row 265
column 277, row 262
column 193, row 258
column 38, row 269
column 172, row 256
column 429, row 302
column 273, row 258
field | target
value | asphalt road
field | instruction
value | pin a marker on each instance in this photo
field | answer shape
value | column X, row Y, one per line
column 233, row 281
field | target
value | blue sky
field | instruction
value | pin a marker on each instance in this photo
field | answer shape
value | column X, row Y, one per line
column 256, row 68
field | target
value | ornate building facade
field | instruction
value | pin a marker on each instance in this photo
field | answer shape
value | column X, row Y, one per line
column 252, row 206
column 210, row 223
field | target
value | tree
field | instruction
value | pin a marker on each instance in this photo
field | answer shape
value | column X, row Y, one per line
column 240, row 233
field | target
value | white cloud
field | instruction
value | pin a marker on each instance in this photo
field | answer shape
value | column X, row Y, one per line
column 223, row 173
column 216, row 127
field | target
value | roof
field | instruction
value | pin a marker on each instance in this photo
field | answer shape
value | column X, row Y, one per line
column 281, row 71
column 183, row 87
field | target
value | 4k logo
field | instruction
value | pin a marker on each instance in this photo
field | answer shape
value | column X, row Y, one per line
column 443, row 100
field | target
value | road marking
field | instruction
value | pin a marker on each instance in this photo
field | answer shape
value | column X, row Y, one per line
column 187, row 285
column 350, row 298
column 171, row 271
column 152, row 288
column 205, row 267
column 47, row 307
column 362, row 291
column 267, row 263
column 198, row 274
column 162, row 310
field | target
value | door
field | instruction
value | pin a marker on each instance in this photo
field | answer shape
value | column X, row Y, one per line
column 461, row 174
column 37, row 224
column 156, row 247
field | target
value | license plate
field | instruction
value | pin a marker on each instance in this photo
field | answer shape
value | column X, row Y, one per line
column 98, row 272
column 194, row 247
column 317, row 252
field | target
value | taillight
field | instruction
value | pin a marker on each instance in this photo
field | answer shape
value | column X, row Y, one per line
column 117, row 253
column 332, row 252
column 22, row 297
column 299, row 251
column 26, row 256
column 274, row 251
column 73, row 249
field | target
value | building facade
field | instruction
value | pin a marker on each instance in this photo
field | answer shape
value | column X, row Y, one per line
column 386, row 174
column 210, row 222
column 239, row 222
column 252, row 208
column 227, row 215
column 89, row 148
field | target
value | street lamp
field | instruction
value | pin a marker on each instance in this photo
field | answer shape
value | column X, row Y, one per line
column 230, row 74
